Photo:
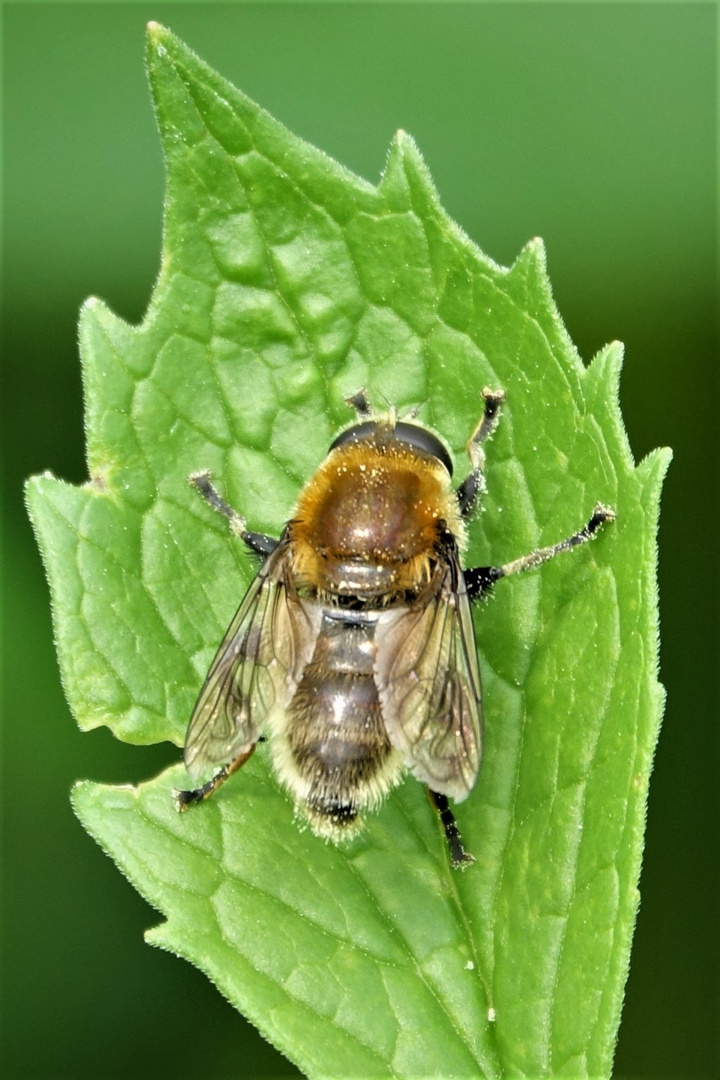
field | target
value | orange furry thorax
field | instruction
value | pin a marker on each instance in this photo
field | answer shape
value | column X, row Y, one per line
column 368, row 521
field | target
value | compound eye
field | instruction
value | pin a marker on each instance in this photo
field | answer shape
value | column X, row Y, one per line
column 412, row 434
column 425, row 441
column 357, row 433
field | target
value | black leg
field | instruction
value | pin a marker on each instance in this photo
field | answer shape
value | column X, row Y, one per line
column 259, row 543
column 459, row 857
column 183, row 799
column 479, row 579
column 472, row 485
column 359, row 402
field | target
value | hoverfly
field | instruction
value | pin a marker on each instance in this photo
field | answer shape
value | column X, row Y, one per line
column 354, row 645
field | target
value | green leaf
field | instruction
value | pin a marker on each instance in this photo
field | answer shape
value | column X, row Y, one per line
column 286, row 284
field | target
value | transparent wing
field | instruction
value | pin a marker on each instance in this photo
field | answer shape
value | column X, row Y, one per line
column 256, row 668
column 428, row 681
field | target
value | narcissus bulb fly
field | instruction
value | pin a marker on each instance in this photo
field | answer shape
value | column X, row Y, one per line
column 354, row 647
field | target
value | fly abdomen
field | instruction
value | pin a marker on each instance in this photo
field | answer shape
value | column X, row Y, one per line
column 337, row 749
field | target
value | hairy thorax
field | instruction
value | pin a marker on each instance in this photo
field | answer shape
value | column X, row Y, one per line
column 367, row 524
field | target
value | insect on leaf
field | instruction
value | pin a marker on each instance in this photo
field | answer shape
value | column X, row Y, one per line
column 286, row 284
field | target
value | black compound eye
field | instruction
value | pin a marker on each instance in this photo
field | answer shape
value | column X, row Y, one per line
column 357, row 433
column 412, row 434
column 425, row 441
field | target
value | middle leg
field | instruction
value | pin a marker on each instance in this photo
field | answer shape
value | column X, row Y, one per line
column 258, row 543
column 479, row 579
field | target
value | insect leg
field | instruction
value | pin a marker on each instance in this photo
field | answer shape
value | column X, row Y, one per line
column 459, row 857
column 472, row 485
column 360, row 403
column 479, row 579
column 257, row 542
column 183, row 799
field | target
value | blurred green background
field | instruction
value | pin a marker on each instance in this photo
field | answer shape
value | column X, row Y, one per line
column 591, row 125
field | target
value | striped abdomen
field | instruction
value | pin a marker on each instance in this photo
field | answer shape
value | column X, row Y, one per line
column 336, row 738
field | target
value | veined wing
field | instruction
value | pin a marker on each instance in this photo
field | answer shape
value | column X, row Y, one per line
column 256, row 668
column 428, row 680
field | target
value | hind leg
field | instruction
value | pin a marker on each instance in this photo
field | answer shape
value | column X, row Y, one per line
column 183, row 799
column 459, row 857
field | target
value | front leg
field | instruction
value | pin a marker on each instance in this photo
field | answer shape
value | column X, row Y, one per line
column 472, row 485
column 480, row 579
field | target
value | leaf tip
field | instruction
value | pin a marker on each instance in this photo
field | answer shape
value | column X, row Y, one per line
column 35, row 487
column 536, row 245
column 90, row 302
column 86, row 794
column 406, row 180
column 96, row 310
column 161, row 45
column 402, row 139
column 91, row 310
column 606, row 367
column 616, row 349
column 409, row 153
column 103, row 336
column 395, row 152
column 78, row 788
column 34, row 481
column 158, row 936
column 656, row 464
column 532, row 262
column 157, row 34
column 81, row 797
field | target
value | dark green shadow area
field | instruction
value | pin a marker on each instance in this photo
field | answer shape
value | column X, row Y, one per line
column 590, row 125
